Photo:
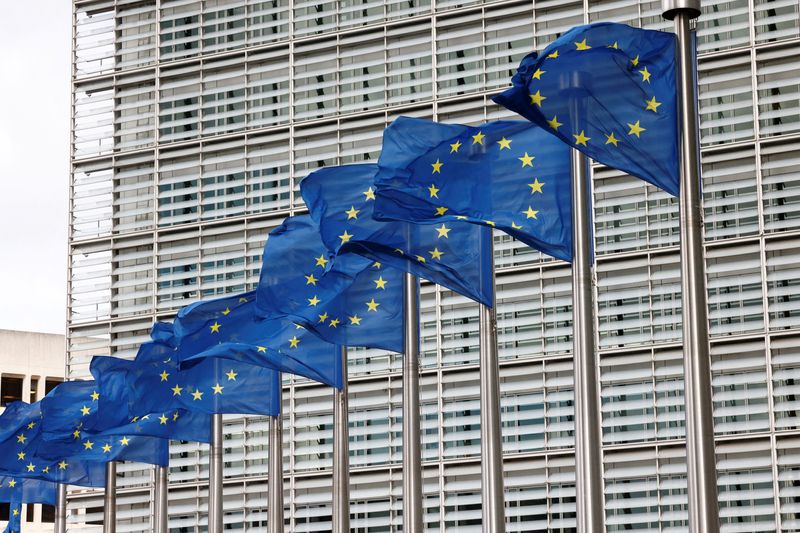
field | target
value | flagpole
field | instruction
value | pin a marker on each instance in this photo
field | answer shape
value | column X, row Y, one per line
column 110, row 499
column 492, row 497
column 161, row 515
column 61, row 509
column 275, row 480
column 341, row 454
column 700, row 454
column 215, row 476
column 588, row 438
column 412, row 451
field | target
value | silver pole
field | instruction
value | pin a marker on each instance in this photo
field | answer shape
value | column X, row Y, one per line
column 161, row 515
column 61, row 509
column 700, row 455
column 215, row 476
column 110, row 499
column 588, row 438
column 412, row 450
column 492, row 498
column 275, row 480
column 341, row 455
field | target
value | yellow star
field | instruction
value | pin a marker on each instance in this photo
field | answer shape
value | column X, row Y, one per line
column 437, row 167
column 262, row 349
column 106, row 448
column 615, row 46
column 242, row 300
column 21, row 438
column 227, row 311
column 369, row 194
column 95, row 396
column 176, row 390
column 311, row 280
column 21, row 456
column 355, row 320
column 635, row 61
column 334, row 323
column 553, row 55
column 478, row 138
column 164, row 375
column 536, row 186
column 175, row 416
column 63, row 465
column 538, row 74
column 231, row 375
column 313, row 301
column 636, row 129
column 372, row 305
column 490, row 223
column 443, row 231
column 581, row 138
column 645, row 75
column 88, row 445
column 420, row 259
column 217, row 389
column 197, row 395
column 85, row 410
column 134, row 419
column 31, row 425
column 321, row 261
column 610, row 139
column 530, row 213
column 215, row 327
column 380, row 283
column 652, row 105
column 434, row 192
column 582, row 45
column 554, row 123
column 440, row 211
column 527, row 160
column 504, row 143
column 76, row 434
column 352, row 212
column 293, row 342
column 436, row 254
column 461, row 217
column 537, row 98
column 15, row 512
column 124, row 441
column 323, row 317
column 345, row 237
column 12, row 483
column 455, row 146
column 46, row 470
column 31, row 467
column 162, row 420
column 514, row 225
column 399, row 251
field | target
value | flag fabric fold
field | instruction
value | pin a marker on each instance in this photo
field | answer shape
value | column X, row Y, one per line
column 27, row 490
column 341, row 201
column 14, row 516
column 511, row 175
column 608, row 90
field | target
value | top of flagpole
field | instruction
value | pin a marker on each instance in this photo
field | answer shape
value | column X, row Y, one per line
column 673, row 7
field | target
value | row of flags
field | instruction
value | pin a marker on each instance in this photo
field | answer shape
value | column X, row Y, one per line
column 334, row 277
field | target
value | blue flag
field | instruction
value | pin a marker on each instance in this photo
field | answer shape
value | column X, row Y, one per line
column 212, row 386
column 347, row 300
column 510, row 175
column 231, row 328
column 20, row 439
column 27, row 490
column 608, row 90
column 458, row 257
column 14, row 516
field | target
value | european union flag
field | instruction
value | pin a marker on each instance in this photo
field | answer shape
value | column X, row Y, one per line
column 509, row 174
column 15, row 516
column 20, row 439
column 608, row 90
column 347, row 300
column 27, row 490
column 212, row 386
column 230, row 328
column 458, row 256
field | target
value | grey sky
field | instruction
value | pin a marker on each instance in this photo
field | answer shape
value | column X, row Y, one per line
column 34, row 151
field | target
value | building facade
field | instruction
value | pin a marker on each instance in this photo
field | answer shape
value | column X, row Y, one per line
column 193, row 123
column 31, row 365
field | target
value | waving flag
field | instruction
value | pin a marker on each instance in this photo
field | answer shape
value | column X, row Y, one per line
column 27, row 490
column 608, row 90
column 458, row 257
column 15, row 516
column 510, row 175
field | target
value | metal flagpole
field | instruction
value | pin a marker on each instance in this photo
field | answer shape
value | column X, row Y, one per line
column 275, row 480
column 215, row 476
column 110, row 499
column 61, row 509
column 161, row 515
column 492, row 498
column 588, row 438
column 341, row 454
column 700, row 456
column 412, row 454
